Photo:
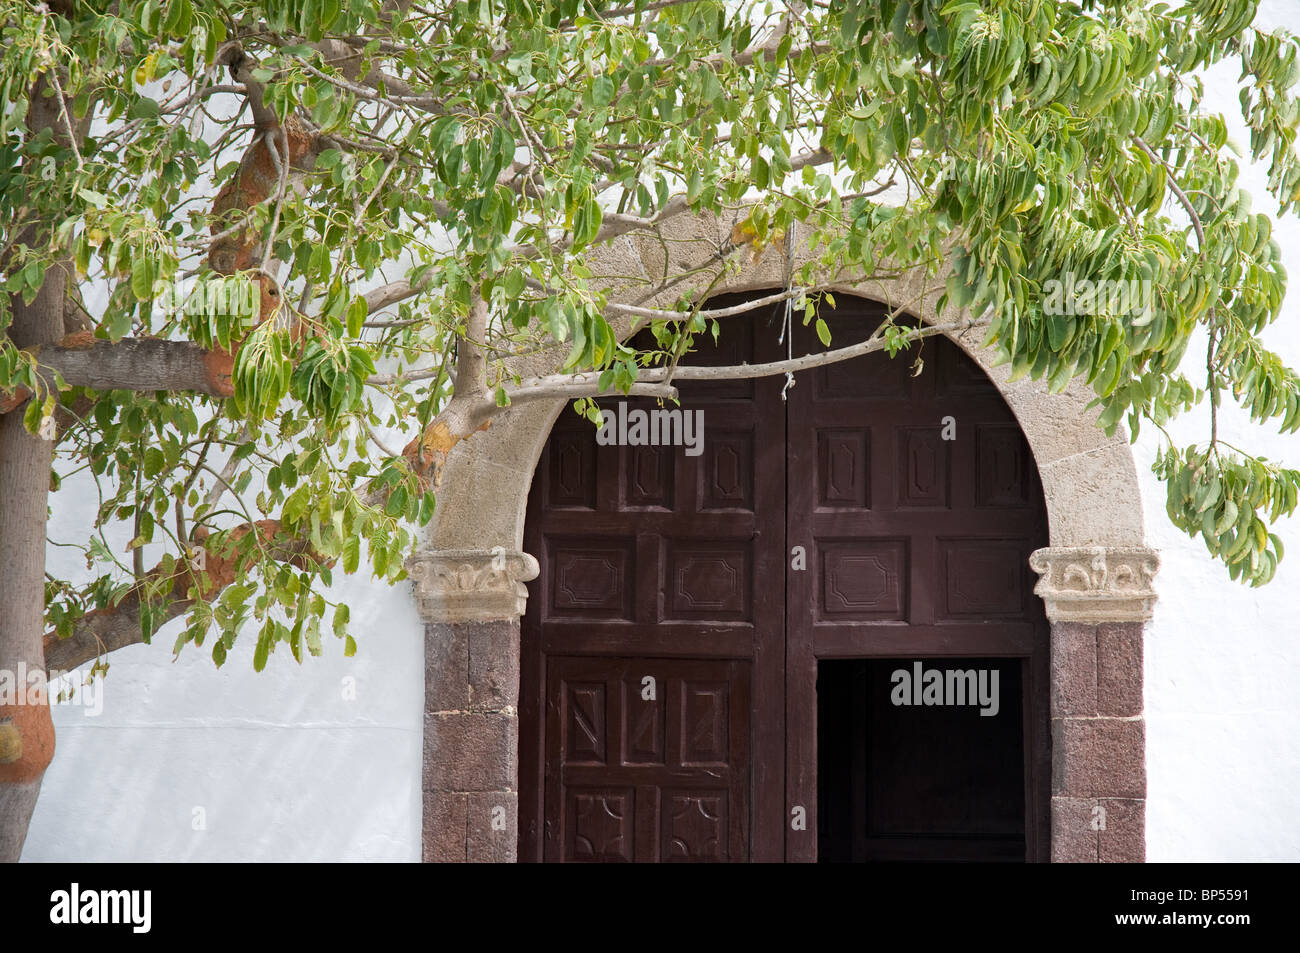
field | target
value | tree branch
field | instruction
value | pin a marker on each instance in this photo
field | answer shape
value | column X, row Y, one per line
column 710, row 314
column 101, row 631
column 1177, row 190
column 135, row 364
column 742, row 371
column 549, row 389
column 471, row 366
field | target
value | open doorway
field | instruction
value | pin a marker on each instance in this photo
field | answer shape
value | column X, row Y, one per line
column 921, row 760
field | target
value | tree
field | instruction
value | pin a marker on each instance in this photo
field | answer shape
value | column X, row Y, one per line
column 242, row 239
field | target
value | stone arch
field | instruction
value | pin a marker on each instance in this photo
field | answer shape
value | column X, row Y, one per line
column 1090, row 480
column 1096, row 575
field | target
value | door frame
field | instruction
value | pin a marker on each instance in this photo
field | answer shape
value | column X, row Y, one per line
column 1096, row 576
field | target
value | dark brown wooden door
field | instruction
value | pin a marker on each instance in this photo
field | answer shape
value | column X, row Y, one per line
column 670, row 650
column 917, row 548
column 652, row 759
column 658, row 565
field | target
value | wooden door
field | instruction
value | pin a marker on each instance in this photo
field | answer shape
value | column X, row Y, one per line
column 651, row 759
column 682, row 570
column 658, row 565
column 915, row 496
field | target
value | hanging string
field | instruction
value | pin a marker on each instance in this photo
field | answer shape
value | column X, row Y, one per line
column 787, row 326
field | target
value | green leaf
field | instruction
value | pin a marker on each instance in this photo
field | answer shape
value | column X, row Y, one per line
column 32, row 416
column 263, row 649
column 142, row 278
column 862, row 137
column 396, row 503
column 351, row 554
column 154, row 462
column 356, row 315
column 694, row 185
column 513, row 283
column 602, row 92
column 823, row 333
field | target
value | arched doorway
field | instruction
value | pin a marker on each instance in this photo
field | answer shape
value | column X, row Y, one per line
column 711, row 654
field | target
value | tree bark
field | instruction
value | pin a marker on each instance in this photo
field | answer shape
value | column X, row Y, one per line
column 26, row 731
column 138, row 364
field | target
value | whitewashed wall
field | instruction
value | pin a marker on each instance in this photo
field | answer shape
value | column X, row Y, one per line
column 1223, row 660
column 282, row 766
column 318, row 762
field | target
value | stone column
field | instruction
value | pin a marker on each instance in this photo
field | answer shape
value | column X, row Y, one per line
column 1098, row 599
column 470, row 602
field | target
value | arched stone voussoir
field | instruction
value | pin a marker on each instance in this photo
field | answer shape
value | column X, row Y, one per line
column 1090, row 480
column 481, row 501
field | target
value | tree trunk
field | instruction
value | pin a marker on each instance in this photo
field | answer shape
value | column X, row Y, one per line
column 26, row 731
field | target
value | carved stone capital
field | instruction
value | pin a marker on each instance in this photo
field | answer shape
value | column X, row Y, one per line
column 470, row 585
column 1096, row 583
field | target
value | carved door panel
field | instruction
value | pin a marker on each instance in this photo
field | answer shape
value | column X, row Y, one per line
column 649, row 759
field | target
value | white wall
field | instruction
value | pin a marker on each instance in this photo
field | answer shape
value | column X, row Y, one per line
column 1223, row 660
column 283, row 765
column 285, row 768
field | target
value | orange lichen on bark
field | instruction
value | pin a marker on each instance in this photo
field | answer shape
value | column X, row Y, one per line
column 220, row 366
column 206, row 577
column 427, row 454
column 220, row 362
column 256, row 181
column 220, row 568
column 14, row 400
column 78, row 340
column 27, row 737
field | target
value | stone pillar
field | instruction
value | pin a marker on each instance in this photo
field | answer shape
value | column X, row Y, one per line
column 1098, row 599
column 470, row 602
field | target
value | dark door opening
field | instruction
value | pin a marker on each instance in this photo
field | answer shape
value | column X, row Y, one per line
column 928, row 768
